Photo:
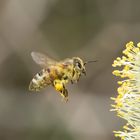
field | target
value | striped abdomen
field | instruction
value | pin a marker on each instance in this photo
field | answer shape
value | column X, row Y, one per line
column 40, row 80
column 47, row 76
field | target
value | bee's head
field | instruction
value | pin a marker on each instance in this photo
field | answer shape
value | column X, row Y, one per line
column 79, row 65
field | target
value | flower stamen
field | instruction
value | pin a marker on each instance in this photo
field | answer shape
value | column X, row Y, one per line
column 127, row 103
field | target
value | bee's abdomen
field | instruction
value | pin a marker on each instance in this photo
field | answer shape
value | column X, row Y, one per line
column 40, row 80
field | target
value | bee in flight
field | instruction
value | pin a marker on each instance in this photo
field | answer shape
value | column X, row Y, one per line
column 57, row 73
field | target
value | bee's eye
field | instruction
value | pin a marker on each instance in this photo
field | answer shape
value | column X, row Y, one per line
column 79, row 65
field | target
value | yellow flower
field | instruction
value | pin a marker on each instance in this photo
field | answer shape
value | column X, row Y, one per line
column 127, row 103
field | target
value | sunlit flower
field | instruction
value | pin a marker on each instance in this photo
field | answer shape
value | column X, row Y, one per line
column 127, row 103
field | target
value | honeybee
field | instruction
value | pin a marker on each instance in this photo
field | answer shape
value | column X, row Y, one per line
column 57, row 73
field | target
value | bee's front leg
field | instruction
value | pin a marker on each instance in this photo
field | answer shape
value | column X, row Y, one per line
column 71, row 81
column 78, row 78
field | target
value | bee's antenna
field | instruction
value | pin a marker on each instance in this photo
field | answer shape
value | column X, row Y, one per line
column 90, row 61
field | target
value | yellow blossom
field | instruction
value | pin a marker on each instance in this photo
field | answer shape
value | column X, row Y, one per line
column 127, row 103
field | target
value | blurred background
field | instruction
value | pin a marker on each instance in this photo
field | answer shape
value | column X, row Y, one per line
column 90, row 29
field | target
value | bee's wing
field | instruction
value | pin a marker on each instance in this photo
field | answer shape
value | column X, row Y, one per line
column 67, row 61
column 42, row 60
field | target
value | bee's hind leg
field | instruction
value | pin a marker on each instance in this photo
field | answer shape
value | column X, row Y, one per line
column 64, row 94
column 59, row 86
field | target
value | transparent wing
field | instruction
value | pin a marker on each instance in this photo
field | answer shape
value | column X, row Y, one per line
column 67, row 61
column 42, row 59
